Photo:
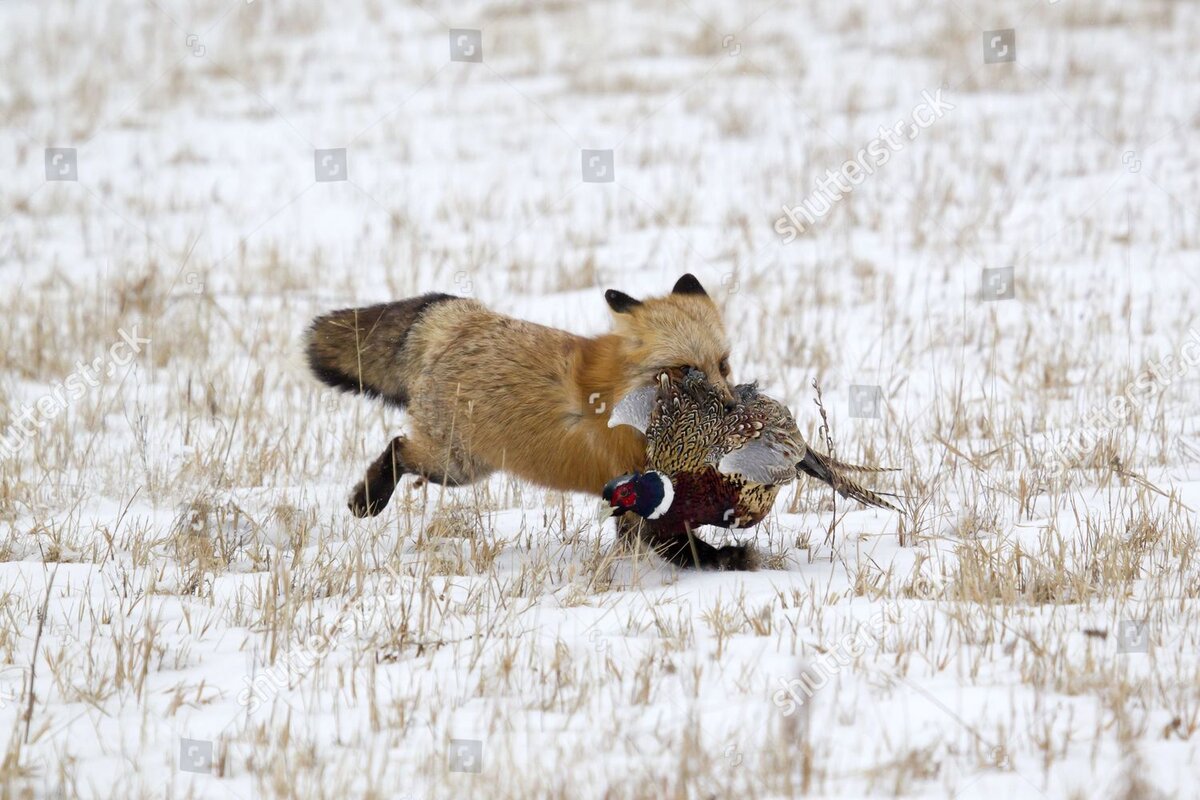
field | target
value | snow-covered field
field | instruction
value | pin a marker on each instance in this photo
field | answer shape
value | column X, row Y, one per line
column 189, row 610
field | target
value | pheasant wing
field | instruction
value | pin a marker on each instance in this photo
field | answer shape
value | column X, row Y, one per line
column 761, row 443
column 684, row 425
column 761, row 461
column 635, row 409
column 680, row 418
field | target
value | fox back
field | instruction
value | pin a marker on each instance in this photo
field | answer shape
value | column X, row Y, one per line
column 487, row 392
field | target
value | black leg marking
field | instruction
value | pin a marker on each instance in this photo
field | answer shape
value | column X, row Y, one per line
column 371, row 495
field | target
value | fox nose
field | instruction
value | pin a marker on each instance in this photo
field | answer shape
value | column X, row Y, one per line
column 726, row 397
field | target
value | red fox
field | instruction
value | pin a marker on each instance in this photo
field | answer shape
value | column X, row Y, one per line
column 487, row 392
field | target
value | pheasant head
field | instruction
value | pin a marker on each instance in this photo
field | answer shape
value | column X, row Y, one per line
column 647, row 494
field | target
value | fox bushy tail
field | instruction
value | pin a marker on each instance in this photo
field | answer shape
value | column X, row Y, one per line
column 360, row 349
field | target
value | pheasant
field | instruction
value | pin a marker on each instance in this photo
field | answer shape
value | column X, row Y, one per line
column 710, row 464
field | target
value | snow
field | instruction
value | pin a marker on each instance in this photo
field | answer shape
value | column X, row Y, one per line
column 189, row 609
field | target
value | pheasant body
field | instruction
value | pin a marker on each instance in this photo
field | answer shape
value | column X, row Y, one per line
column 706, row 497
column 723, row 466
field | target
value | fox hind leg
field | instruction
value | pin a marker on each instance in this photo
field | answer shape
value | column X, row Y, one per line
column 407, row 456
column 373, row 492
column 686, row 550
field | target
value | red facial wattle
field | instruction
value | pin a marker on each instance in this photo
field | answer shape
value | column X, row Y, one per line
column 624, row 496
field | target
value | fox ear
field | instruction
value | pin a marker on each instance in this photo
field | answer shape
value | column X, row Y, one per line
column 688, row 285
column 620, row 302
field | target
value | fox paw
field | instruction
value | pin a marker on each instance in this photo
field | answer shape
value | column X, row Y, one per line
column 696, row 554
column 742, row 558
column 361, row 506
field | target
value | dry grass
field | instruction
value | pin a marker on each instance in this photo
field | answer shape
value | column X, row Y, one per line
column 179, row 563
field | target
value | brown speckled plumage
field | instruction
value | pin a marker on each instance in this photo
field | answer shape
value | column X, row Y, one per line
column 726, row 463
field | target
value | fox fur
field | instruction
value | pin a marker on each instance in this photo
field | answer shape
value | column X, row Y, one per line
column 487, row 392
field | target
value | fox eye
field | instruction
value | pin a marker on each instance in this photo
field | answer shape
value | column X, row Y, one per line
column 724, row 367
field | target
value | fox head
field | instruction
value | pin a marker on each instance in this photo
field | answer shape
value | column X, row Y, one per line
column 681, row 329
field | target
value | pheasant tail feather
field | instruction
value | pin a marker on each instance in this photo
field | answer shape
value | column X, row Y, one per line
column 829, row 470
column 844, row 466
